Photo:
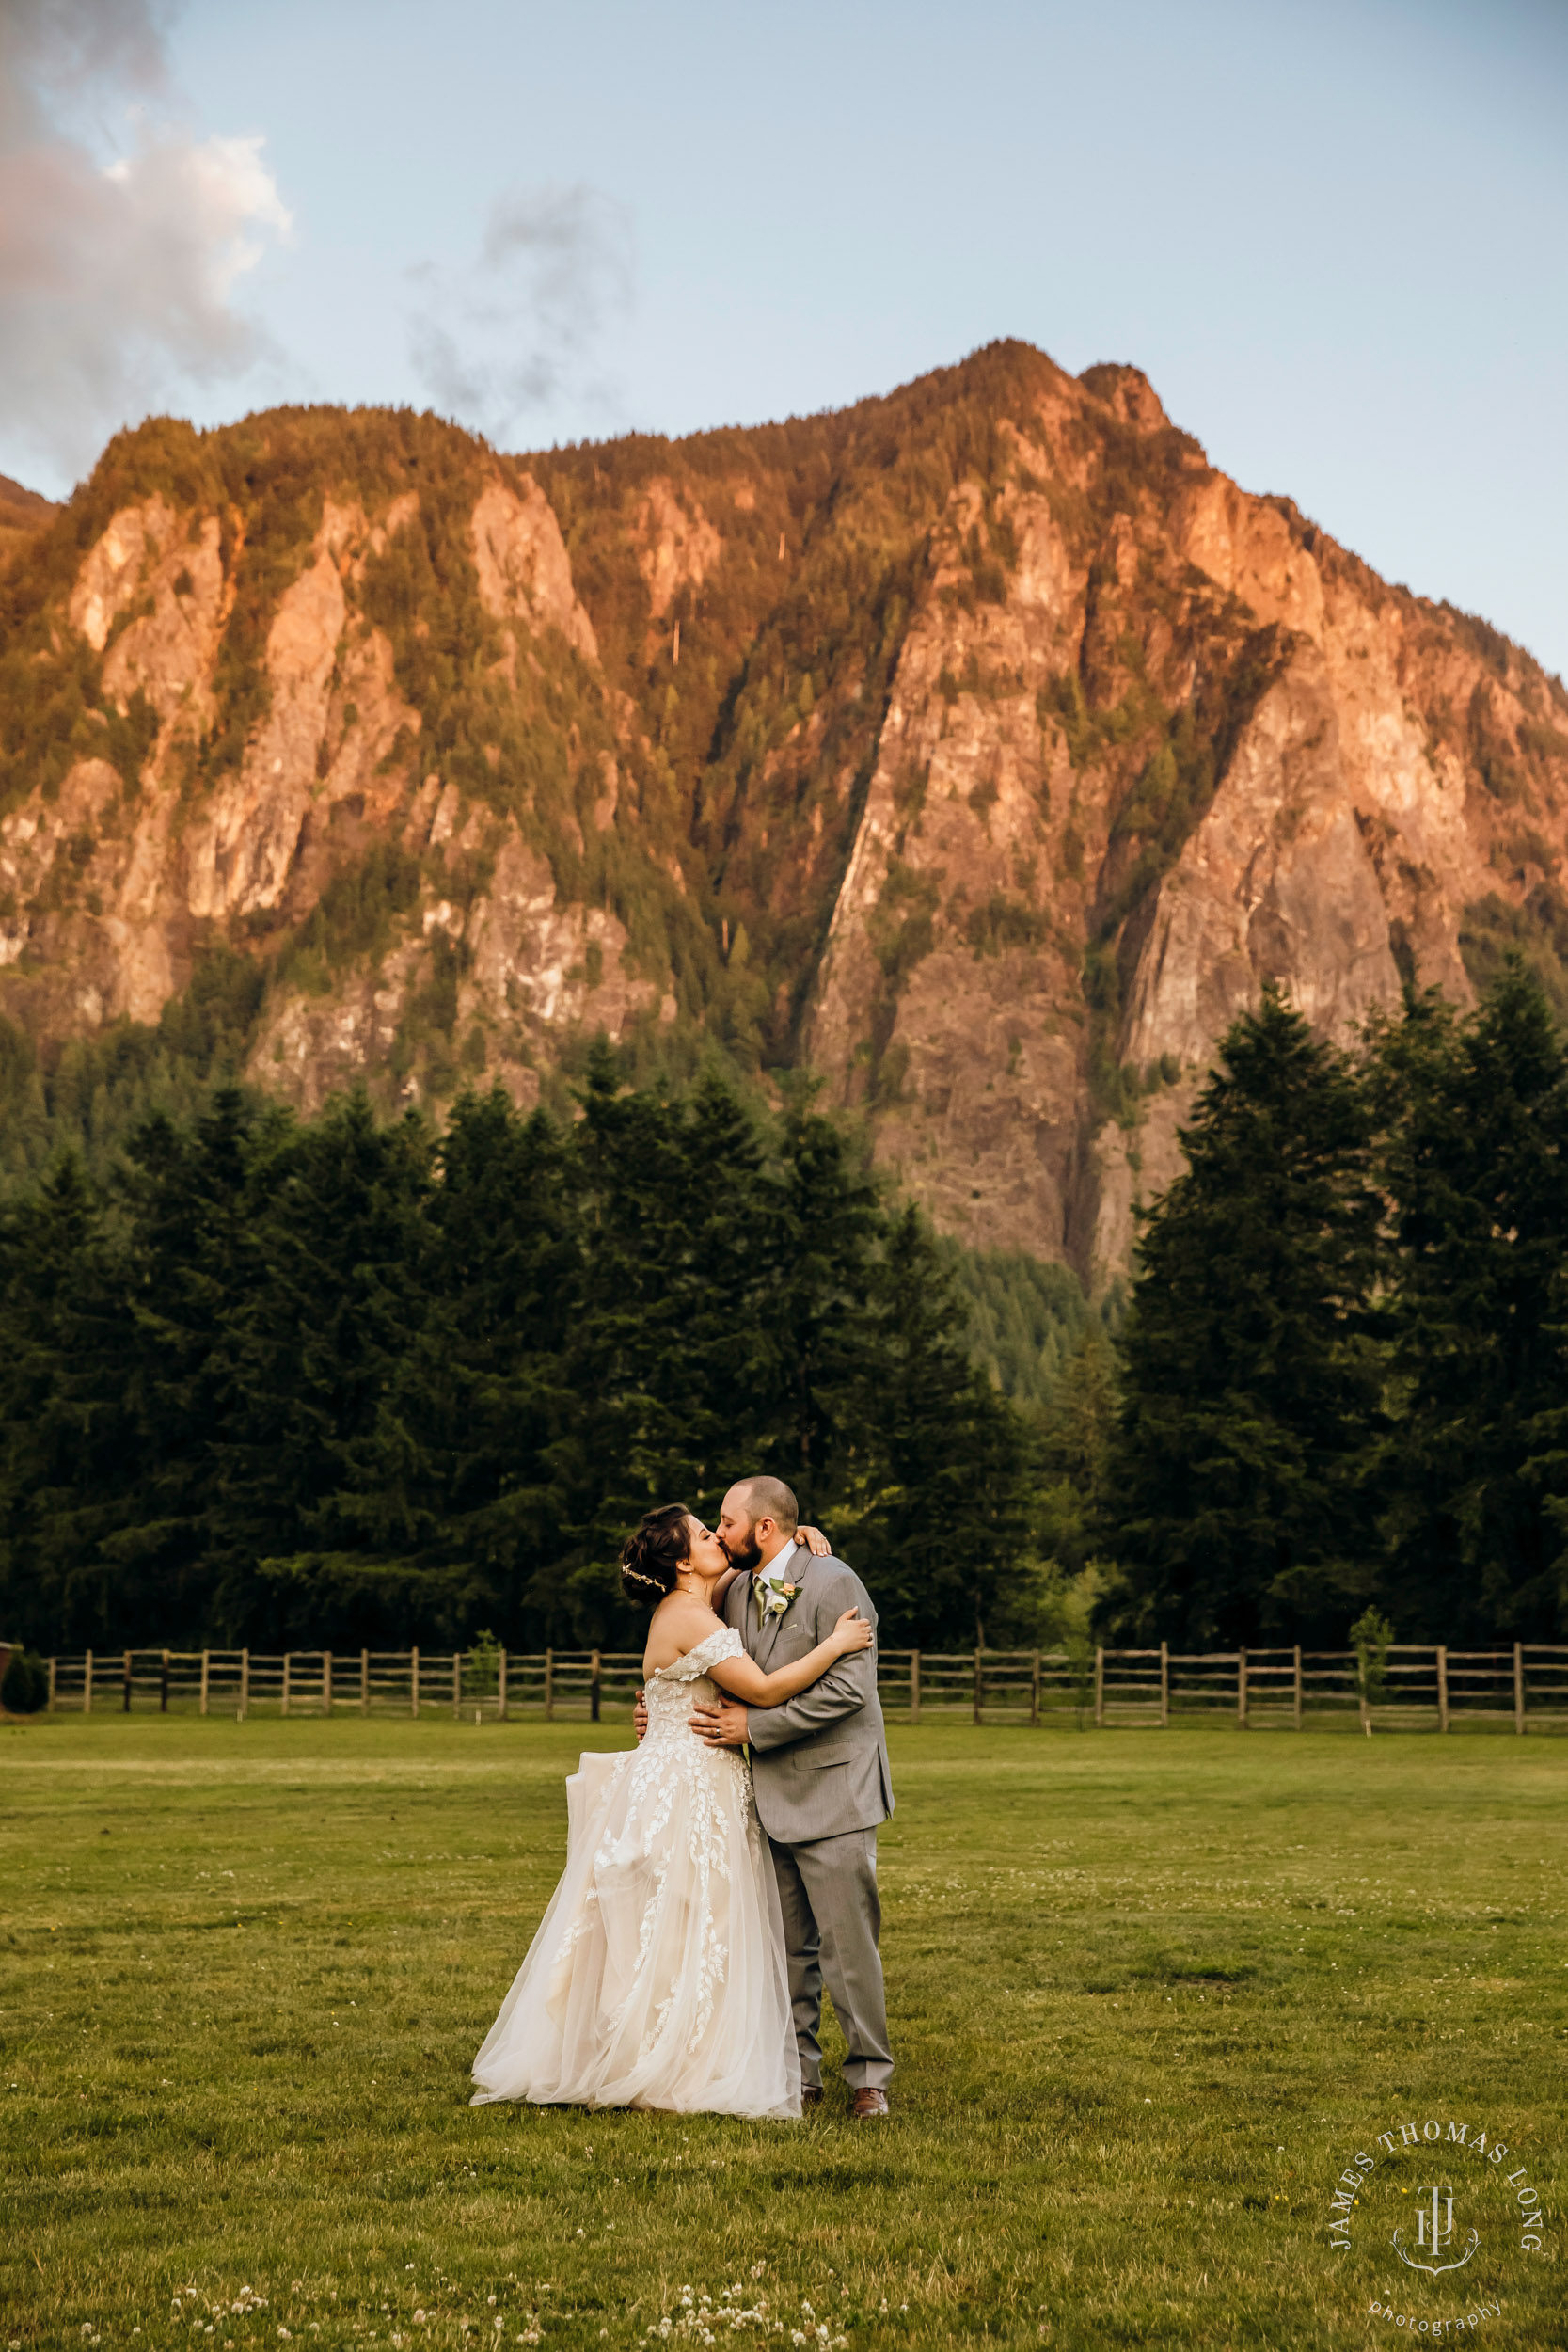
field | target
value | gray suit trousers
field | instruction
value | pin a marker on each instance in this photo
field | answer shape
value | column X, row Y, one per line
column 832, row 1917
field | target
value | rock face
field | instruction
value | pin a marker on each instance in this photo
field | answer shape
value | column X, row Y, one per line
column 981, row 748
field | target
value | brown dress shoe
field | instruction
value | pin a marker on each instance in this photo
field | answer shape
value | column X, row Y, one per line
column 869, row 2103
column 811, row 2095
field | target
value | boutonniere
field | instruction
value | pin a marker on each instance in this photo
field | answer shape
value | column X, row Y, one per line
column 774, row 1596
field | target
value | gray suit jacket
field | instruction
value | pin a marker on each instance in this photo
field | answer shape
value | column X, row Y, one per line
column 819, row 1762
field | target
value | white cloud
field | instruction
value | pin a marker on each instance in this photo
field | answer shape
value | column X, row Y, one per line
column 118, row 277
column 519, row 329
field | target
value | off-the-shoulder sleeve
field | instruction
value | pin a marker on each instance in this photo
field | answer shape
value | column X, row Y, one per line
column 724, row 1642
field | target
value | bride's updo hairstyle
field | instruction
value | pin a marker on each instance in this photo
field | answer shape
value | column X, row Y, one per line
column 654, row 1557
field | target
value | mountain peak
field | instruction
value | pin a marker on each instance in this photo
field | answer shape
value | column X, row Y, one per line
column 1128, row 391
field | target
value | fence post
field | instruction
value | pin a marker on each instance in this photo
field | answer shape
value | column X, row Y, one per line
column 163, row 1687
column 914, row 1686
column 1165, row 1685
column 550, row 1685
column 1298, row 1687
column 1442, row 1686
column 1519, row 1687
column 1035, row 1689
column 206, row 1673
column 594, row 1687
column 456, row 1685
column 1240, row 1687
column 979, row 1686
column 288, row 1661
column 245, row 1684
column 126, row 1707
column 413, row 1682
column 364, row 1682
column 51, row 1708
column 326, row 1682
column 1099, row 1687
column 501, row 1688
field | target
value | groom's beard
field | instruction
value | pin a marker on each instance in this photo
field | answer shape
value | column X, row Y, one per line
column 746, row 1556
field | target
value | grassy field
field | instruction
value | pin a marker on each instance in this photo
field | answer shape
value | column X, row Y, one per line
column 1150, row 1993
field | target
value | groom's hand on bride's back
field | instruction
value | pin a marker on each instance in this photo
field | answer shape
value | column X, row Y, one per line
column 722, row 1726
column 640, row 1715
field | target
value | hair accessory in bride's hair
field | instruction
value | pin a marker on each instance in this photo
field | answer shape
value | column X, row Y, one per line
column 655, row 1555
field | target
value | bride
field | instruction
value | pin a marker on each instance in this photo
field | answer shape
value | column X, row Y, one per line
column 657, row 1976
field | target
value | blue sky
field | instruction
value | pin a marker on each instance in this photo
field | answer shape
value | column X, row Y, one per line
column 1334, row 236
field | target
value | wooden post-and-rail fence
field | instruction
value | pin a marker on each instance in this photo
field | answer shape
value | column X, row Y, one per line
column 1424, row 1687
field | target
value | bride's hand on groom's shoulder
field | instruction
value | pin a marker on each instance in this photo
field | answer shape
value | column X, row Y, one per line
column 815, row 1541
column 853, row 1633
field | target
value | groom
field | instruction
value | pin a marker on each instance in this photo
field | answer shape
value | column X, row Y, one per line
column 819, row 1774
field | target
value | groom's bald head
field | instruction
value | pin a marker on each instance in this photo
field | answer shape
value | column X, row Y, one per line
column 766, row 1499
column 760, row 1517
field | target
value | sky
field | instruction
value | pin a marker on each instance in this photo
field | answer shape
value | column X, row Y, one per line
column 1334, row 236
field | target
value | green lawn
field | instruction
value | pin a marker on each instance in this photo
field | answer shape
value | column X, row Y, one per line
column 1150, row 1993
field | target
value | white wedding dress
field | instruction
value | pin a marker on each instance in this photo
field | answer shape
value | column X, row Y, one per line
column 657, row 1977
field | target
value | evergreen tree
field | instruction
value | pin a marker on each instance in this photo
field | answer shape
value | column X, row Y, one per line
column 450, row 1491
column 932, row 1459
column 1250, row 1381
column 1072, row 1452
column 1475, row 1166
column 66, row 1434
column 184, row 1204
column 821, row 1307
column 305, row 1363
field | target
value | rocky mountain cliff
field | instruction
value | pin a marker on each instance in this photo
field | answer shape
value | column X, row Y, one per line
column 980, row 748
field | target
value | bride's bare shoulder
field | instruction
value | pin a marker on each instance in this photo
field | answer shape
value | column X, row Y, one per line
column 679, row 1623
